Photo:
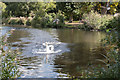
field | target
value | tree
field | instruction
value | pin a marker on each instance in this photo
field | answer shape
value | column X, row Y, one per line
column 18, row 9
column 107, row 7
column 71, row 8
column 68, row 8
column 50, row 7
column 2, row 7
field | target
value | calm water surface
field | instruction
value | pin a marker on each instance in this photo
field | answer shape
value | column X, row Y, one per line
column 79, row 48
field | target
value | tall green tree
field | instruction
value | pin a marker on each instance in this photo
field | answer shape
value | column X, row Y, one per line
column 17, row 9
column 24, row 9
column 72, row 8
column 68, row 8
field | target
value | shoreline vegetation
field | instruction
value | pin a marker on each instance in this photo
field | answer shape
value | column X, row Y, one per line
column 9, row 59
column 92, row 21
column 90, row 16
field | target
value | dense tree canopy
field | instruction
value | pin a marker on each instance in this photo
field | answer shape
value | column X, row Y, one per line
column 71, row 10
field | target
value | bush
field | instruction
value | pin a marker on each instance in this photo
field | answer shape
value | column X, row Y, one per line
column 60, row 23
column 5, row 20
column 20, row 22
column 111, row 61
column 38, row 20
column 28, row 22
column 9, row 60
column 48, row 20
column 114, row 23
column 60, row 17
column 97, row 21
column 44, row 21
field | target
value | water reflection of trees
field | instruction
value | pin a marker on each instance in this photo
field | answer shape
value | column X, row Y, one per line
column 85, row 49
column 17, row 35
column 76, row 36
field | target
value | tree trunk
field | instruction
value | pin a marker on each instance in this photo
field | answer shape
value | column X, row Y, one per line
column 104, row 10
column 71, row 18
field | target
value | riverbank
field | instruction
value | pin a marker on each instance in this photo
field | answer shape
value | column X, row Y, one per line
column 24, row 26
column 88, row 24
column 80, row 26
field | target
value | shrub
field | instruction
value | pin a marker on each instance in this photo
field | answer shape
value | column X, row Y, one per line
column 5, row 20
column 60, row 17
column 60, row 23
column 48, row 20
column 9, row 60
column 44, row 21
column 39, row 19
column 114, row 23
column 96, row 21
column 53, row 15
column 111, row 45
column 28, row 22
column 20, row 22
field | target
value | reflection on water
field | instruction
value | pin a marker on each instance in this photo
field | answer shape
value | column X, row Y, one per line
column 80, row 44
column 17, row 35
column 78, row 49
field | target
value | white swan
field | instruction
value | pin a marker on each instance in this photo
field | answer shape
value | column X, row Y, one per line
column 49, row 48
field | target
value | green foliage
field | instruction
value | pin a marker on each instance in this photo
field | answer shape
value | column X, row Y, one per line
column 50, row 7
column 70, row 9
column 9, row 60
column 38, row 20
column 5, row 20
column 111, row 45
column 2, row 9
column 47, row 20
column 17, row 9
column 114, row 23
column 26, row 9
column 20, row 22
column 2, row 6
column 97, row 21
column 28, row 22
column 61, row 23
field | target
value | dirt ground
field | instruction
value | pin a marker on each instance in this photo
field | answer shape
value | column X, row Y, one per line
column 74, row 23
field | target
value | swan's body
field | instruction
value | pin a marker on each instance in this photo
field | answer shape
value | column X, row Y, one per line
column 49, row 48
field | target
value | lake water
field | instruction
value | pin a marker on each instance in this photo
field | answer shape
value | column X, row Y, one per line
column 78, row 49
